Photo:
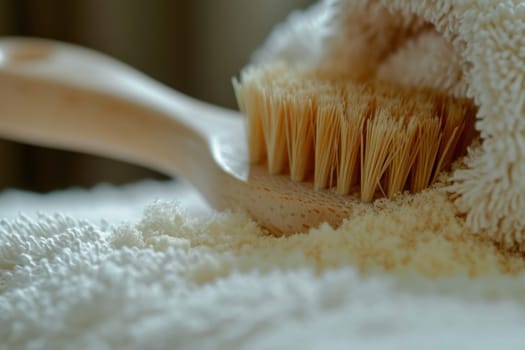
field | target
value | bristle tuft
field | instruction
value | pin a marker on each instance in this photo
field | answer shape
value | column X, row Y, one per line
column 352, row 122
column 376, row 138
column 275, row 110
column 326, row 142
column 300, row 119
column 376, row 151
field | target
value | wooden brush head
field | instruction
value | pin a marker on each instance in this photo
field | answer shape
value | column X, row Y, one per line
column 373, row 138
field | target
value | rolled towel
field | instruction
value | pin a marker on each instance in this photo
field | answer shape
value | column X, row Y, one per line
column 467, row 48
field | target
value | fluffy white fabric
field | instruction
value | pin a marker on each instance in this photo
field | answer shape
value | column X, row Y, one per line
column 469, row 48
column 163, row 282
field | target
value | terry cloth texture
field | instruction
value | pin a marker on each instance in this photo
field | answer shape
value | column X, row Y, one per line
column 468, row 48
column 175, row 279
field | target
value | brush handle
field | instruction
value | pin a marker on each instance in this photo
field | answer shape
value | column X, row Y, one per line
column 67, row 97
column 63, row 96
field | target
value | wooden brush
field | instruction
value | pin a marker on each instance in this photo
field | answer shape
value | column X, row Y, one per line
column 373, row 138
column 334, row 139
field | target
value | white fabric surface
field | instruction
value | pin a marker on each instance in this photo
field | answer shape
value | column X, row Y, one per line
column 75, row 284
column 102, row 203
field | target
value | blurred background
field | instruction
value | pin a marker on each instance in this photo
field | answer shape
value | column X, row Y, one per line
column 194, row 46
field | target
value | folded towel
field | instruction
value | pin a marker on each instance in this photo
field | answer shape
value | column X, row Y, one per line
column 468, row 48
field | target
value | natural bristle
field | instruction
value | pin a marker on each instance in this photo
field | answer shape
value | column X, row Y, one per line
column 351, row 126
column 327, row 139
column 375, row 138
column 300, row 136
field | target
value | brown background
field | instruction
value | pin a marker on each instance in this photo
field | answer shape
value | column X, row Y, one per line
column 195, row 46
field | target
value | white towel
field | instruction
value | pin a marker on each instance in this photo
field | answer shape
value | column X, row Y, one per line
column 469, row 48
column 173, row 279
